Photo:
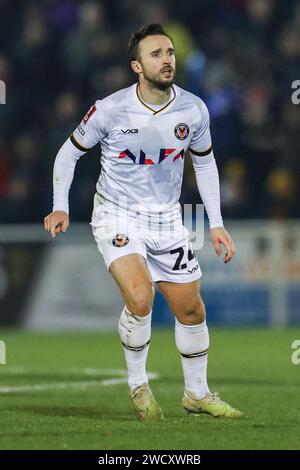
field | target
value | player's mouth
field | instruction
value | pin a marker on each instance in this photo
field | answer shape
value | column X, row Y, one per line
column 167, row 71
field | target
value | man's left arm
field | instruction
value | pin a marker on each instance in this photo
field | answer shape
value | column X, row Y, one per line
column 207, row 178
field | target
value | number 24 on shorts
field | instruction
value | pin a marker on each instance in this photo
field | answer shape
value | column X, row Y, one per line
column 180, row 253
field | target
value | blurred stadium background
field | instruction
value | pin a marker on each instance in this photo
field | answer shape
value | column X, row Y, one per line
column 241, row 57
column 56, row 58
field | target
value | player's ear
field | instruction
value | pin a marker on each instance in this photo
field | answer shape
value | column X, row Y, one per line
column 136, row 66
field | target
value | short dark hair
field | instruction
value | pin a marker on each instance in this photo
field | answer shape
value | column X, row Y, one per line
column 149, row 30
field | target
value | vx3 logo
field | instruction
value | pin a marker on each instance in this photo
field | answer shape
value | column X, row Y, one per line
column 130, row 131
column 143, row 160
column 191, row 271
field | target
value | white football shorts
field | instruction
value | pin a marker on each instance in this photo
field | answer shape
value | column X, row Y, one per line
column 167, row 251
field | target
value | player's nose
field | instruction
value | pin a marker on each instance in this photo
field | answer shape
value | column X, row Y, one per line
column 167, row 59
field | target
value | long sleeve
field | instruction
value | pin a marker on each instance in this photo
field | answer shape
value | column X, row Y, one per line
column 205, row 167
column 63, row 173
column 207, row 178
column 90, row 131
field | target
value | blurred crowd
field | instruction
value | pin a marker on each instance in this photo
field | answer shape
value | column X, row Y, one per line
column 240, row 56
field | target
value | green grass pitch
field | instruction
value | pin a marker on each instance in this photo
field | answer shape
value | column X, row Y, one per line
column 64, row 391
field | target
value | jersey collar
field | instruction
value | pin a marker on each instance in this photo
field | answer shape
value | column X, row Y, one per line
column 148, row 107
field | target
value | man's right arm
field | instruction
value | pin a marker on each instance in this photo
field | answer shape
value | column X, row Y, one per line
column 63, row 173
column 90, row 131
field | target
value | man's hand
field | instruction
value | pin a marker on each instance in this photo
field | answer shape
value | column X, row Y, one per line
column 57, row 221
column 220, row 235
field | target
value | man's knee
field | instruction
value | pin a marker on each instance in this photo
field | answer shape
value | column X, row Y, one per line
column 193, row 313
column 140, row 300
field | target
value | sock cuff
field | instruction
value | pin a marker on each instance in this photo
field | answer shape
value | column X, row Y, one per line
column 142, row 321
column 192, row 329
column 192, row 340
column 145, row 320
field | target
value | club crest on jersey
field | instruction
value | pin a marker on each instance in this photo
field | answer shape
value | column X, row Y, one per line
column 120, row 240
column 181, row 131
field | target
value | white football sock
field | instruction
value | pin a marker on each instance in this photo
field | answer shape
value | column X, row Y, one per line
column 135, row 333
column 193, row 342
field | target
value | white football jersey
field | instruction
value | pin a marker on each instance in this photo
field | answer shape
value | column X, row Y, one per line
column 143, row 147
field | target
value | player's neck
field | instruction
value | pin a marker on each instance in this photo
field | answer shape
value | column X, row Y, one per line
column 152, row 95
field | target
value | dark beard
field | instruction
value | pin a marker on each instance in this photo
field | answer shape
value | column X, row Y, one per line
column 162, row 86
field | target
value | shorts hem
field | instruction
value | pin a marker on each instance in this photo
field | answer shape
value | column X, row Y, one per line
column 122, row 256
column 177, row 280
